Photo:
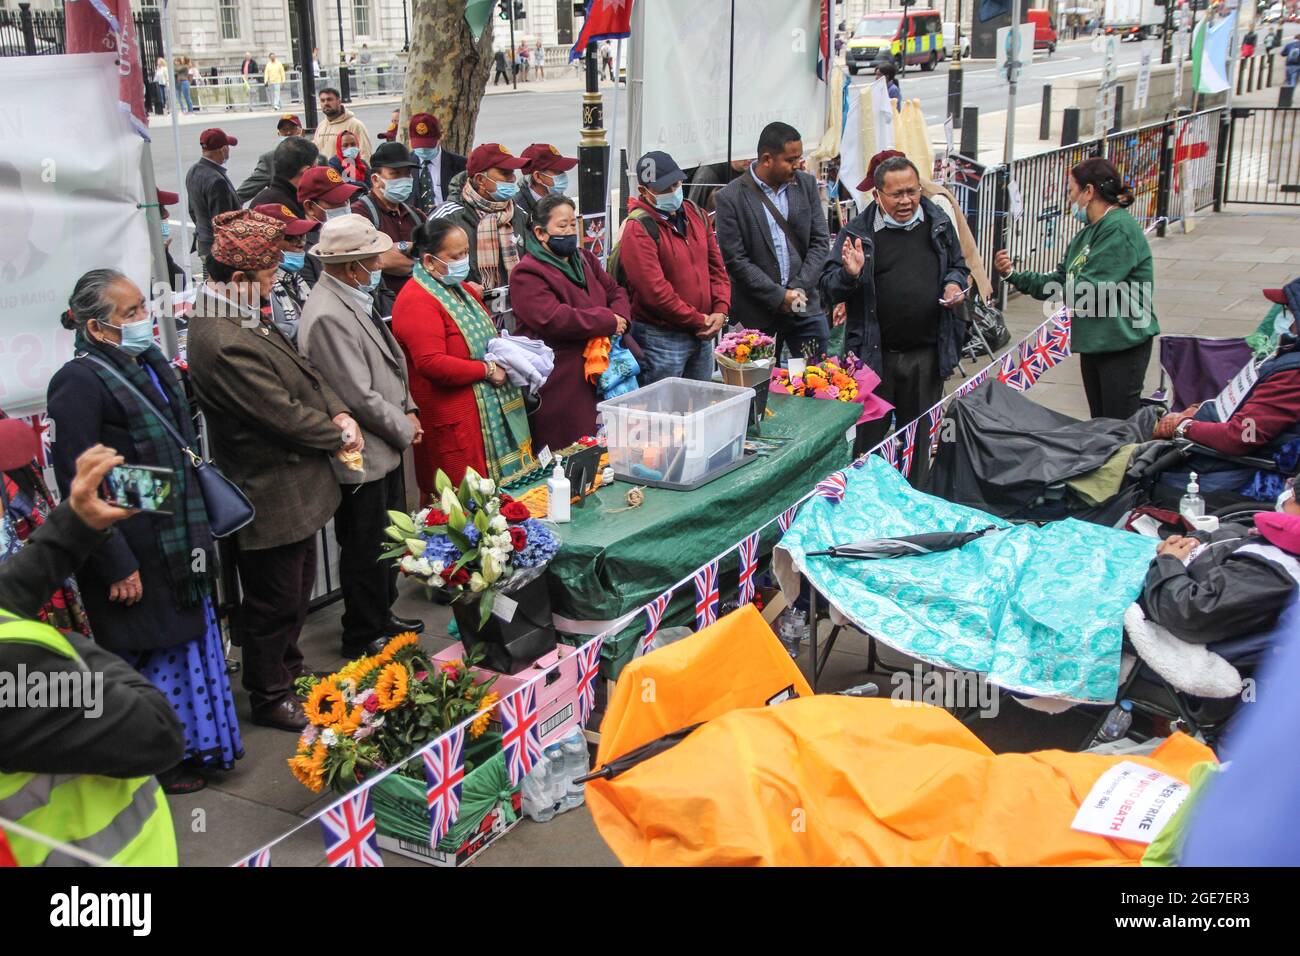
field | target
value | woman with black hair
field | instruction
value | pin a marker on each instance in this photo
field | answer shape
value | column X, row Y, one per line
column 472, row 416
column 1107, row 279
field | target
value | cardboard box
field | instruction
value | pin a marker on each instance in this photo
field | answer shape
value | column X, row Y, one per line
column 557, row 693
column 490, row 830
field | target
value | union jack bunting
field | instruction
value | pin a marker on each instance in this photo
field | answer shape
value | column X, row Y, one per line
column 706, row 595
column 1012, row 373
column 349, row 830
column 521, row 734
column 260, row 858
column 833, row 487
column 1058, row 338
column 786, row 518
column 968, row 387
column 444, row 772
column 888, row 450
column 1039, row 351
column 654, row 613
column 588, row 672
column 936, row 423
column 909, row 449
column 748, row 567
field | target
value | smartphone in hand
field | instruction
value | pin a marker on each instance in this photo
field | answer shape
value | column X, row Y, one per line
column 145, row 488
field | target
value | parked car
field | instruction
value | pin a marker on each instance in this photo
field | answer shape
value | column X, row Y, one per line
column 950, row 39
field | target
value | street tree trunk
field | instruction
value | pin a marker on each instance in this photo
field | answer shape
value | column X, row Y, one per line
column 447, row 71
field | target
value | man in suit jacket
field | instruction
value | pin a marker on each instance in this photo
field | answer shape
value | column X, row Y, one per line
column 287, row 125
column 345, row 337
column 275, row 425
column 774, row 241
column 437, row 165
column 209, row 188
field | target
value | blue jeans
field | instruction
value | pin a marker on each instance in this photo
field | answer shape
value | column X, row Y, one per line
column 805, row 335
column 1292, row 73
column 185, row 96
column 668, row 353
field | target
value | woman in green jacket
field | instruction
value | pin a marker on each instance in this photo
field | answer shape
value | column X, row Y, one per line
column 1108, row 280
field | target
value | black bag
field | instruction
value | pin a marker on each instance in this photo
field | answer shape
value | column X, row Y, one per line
column 228, row 508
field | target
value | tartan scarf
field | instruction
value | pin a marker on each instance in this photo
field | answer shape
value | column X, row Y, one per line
column 494, row 241
column 507, row 442
column 187, row 529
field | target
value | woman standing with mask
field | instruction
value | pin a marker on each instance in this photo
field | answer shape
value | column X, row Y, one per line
column 562, row 295
column 1107, row 278
column 347, row 161
column 148, row 587
column 471, row 415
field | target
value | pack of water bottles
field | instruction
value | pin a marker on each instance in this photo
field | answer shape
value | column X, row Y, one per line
column 550, row 788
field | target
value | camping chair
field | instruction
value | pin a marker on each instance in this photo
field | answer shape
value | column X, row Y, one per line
column 1194, row 368
column 988, row 331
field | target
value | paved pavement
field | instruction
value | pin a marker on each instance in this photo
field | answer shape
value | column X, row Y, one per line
column 1207, row 282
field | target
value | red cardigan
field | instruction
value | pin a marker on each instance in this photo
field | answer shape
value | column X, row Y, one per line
column 551, row 307
column 677, row 281
column 441, row 374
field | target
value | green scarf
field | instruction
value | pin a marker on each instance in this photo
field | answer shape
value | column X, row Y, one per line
column 187, row 529
column 507, row 442
column 571, row 267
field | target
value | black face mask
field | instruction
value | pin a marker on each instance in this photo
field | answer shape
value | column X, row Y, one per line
column 562, row 246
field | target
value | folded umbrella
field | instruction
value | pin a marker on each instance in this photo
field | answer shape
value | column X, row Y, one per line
column 903, row 546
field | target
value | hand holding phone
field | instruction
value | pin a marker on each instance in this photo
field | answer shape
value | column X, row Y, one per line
column 140, row 488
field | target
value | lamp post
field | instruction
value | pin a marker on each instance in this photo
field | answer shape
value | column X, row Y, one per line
column 345, row 91
column 593, row 147
column 406, row 30
column 955, row 75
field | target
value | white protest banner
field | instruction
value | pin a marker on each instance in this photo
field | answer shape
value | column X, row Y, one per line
column 1016, row 201
column 68, row 204
column 680, row 66
column 1130, row 802
column 1144, row 77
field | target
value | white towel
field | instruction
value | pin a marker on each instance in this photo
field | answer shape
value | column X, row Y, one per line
column 1192, row 668
column 528, row 362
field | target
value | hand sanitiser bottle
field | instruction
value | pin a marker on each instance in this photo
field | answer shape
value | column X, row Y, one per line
column 558, row 493
column 1192, row 504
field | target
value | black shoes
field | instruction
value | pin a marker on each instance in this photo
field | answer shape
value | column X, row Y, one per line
column 352, row 650
column 286, row 715
column 401, row 625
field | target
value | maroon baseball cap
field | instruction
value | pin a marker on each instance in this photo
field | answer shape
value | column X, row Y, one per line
column 543, row 157
column 325, row 183
column 288, row 119
column 1276, row 296
column 492, row 156
column 166, row 199
column 869, row 183
column 216, row 138
column 425, row 131
column 19, row 444
column 294, row 225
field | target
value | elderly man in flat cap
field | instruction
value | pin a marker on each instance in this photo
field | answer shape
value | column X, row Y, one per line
column 275, row 426
column 344, row 336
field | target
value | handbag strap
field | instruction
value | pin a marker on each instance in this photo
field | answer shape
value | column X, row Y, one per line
column 776, row 215
column 168, row 426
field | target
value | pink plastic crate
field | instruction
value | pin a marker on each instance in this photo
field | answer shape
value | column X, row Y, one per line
column 557, row 693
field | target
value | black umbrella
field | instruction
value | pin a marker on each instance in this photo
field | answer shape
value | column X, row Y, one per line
column 633, row 757
column 903, row 546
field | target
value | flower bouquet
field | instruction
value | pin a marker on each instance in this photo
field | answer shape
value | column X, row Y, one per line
column 846, row 380
column 480, row 544
column 746, row 357
column 378, row 710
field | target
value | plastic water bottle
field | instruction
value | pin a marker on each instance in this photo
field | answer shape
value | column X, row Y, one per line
column 575, row 766
column 794, row 628
column 1118, row 721
column 1192, row 505
column 869, row 689
column 537, row 803
column 559, row 781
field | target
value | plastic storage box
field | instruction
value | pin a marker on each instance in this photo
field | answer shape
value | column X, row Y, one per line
column 676, row 433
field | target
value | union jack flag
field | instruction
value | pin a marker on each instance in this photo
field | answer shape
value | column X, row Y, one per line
column 833, row 487
column 260, row 858
column 444, row 772
column 1011, row 374
column 706, row 595
column 43, row 425
column 936, row 422
column 349, row 830
column 654, row 613
column 968, row 387
column 521, row 734
column 888, row 450
column 588, row 671
column 786, row 518
column 1039, row 354
column 748, row 567
column 1058, row 340
column 909, row 449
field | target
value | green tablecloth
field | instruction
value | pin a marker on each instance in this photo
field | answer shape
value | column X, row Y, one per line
column 611, row 564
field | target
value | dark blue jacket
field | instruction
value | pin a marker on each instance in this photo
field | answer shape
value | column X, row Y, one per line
column 862, row 332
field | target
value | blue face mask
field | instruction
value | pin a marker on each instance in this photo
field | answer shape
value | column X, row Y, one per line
column 562, row 246
column 335, row 213
column 166, row 229
column 457, row 271
column 137, row 337
column 1080, row 213
column 892, row 223
column 351, row 152
column 427, row 154
column 560, row 183
column 506, row 191
column 292, row 261
column 669, row 202
column 373, row 284
column 397, row 190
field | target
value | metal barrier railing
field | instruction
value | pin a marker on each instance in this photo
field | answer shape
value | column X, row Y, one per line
column 237, row 92
column 1264, row 156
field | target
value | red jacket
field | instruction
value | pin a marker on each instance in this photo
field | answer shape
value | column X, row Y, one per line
column 441, row 374
column 678, row 281
column 551, row 307
column 1270, row 409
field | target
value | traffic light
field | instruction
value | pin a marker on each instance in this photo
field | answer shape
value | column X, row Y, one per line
column 503, row 11
column 519, row 10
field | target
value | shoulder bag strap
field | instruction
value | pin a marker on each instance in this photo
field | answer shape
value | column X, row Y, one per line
column 170, row 428
column 776, row 214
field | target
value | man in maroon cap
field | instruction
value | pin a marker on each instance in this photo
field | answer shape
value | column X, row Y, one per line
column 209, row 188
column 293, row 280
column 287, row 125
column 175, row 273
column 275, row 425
column 547, row 172
column 437, row 165
column 323, row 194
column 486, row 209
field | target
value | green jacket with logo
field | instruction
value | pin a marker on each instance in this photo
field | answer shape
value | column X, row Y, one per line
column 1108, row 266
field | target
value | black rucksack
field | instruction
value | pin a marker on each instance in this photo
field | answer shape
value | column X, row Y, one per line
column 614, row 264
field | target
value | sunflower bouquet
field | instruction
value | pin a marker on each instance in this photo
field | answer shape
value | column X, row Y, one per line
column 842, row 380
column 376, row 711
column 474, row 539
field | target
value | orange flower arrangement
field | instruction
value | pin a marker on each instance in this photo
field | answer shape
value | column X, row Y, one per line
column 396, row 644
column 308, row 768
column 391, row 686
column 484, row 717
column 324, row 705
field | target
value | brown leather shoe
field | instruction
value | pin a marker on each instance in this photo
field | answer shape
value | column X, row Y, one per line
column 286, row 715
